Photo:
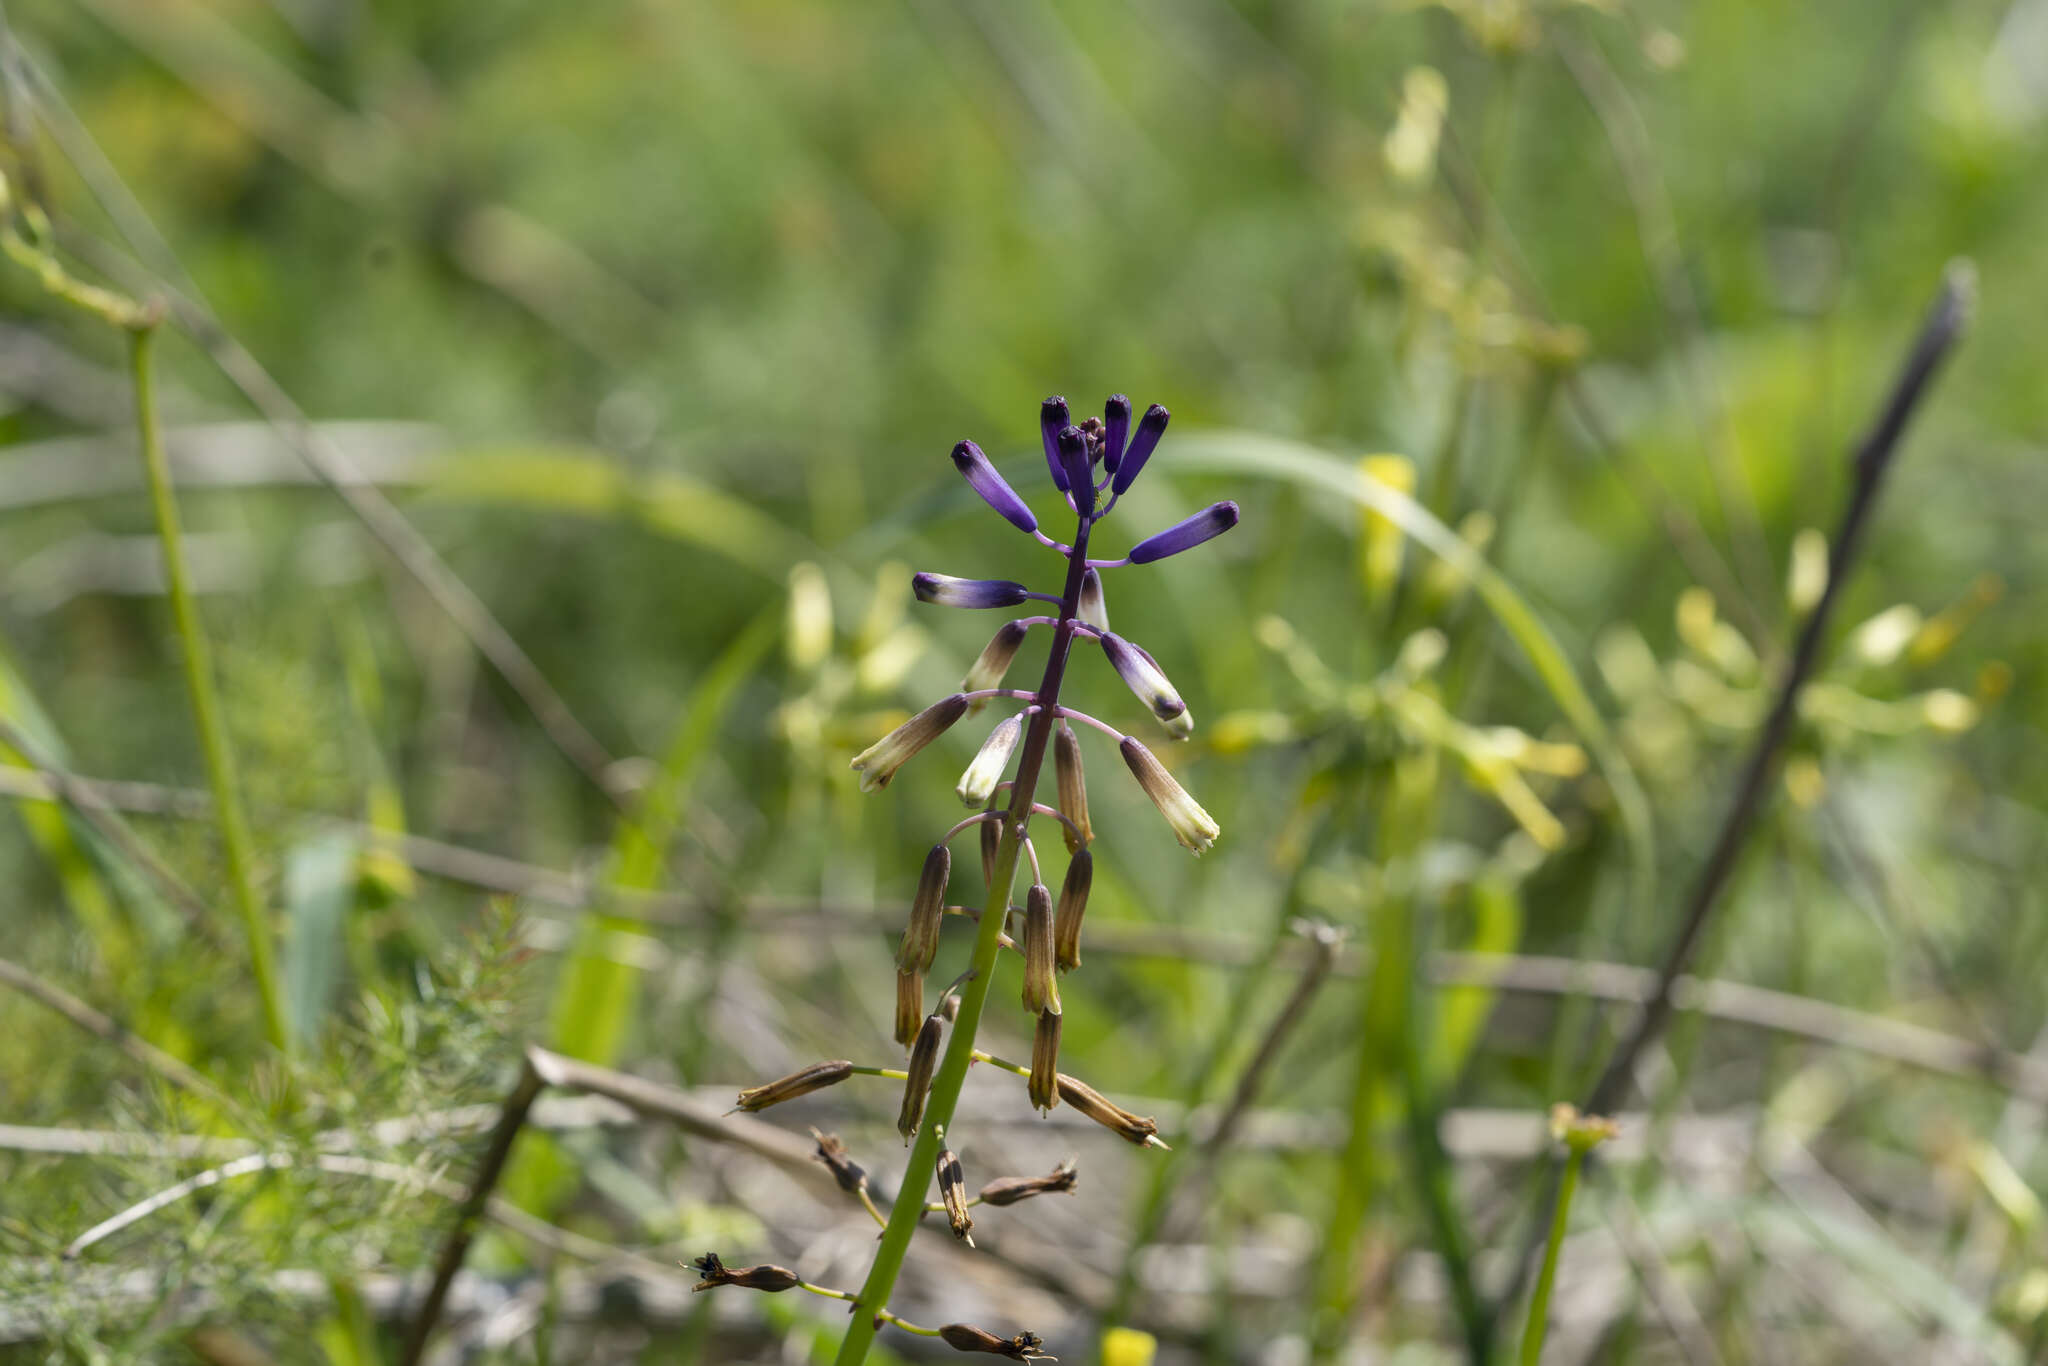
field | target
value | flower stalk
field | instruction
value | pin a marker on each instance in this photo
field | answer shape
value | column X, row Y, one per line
column 952, row 1073
column 1051, row 941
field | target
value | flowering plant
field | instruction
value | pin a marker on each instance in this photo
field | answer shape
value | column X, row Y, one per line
column 1092, row 464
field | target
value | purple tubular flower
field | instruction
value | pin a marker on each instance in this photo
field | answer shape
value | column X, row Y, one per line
column 1210, row 522
column 968, row 459
column 947, row 591
column 1080, row 469
column 1143, row 676
column 1116, row 430
column 1150, row 428
column 1052, row 418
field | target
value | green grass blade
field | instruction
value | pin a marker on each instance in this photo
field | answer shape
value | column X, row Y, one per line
column 1294, row 462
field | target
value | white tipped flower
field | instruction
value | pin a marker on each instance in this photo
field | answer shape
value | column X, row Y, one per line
column 1195, row 828
column 978, row 783
column 878, row 763
column 987, row 671
column 1143, row 676
column 1094, row 610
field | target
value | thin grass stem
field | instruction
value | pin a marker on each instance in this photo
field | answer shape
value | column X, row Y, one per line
column 229, row 815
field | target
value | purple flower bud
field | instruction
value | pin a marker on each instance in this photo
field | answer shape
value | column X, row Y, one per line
column 994, row 490
column 1052, row 416
column 1210, row 522
column 1143, row 677
column 1116, row 427
column 1079, row 469
column 1150, row 428
column 947, row 591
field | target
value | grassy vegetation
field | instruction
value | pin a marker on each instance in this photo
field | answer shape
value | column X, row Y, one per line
column 555, row 401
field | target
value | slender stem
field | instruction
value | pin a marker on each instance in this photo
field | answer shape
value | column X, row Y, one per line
column 1085, row 719
column 992, row 1060
column 220, row 760
column 1539, row 1300
column 945, row 1092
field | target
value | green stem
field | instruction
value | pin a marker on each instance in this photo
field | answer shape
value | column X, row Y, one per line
column 1539, row 1302
column 236, row 847
column 952, row 1075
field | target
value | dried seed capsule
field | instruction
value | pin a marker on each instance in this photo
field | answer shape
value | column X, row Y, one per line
column 909, row 1006
column 1041, row 984
column 773, row 1279
column 1093, row 608
column 946, row 590
column 965, row 1337
column 921, row 936
column 978, row 783
column 1066, row 763
column 924, row 1061
column 991, row 838
column 1195, row 828
column 1143, row 676
column 1137, row 1129
column 816, row 1077
column 953, row 1192
column 1066, row 923
column 993, row 488
column 994, row 661
column 1008, row 1190
column 1209, row 523
column 878, row 763
column 850, row 1175
column 1045, row 1062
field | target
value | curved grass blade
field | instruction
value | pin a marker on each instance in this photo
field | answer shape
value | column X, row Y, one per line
column 1294, row 462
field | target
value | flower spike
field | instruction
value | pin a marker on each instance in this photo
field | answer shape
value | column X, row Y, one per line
column 947, row 591
column 1116, row 430
column 993, row 488
column 878, row 763
column 1150, row 428
column 1052, row 417
column 1205, row 525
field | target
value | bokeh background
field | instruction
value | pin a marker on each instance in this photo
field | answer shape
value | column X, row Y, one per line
column 656, row 321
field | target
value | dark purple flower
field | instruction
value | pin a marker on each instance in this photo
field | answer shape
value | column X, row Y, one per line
column 1080, row 470
column 1150, row 428
column 1210, row 522
column 1052, row 418
column 968, row 459
column 1116, row 430
column 947, row 591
